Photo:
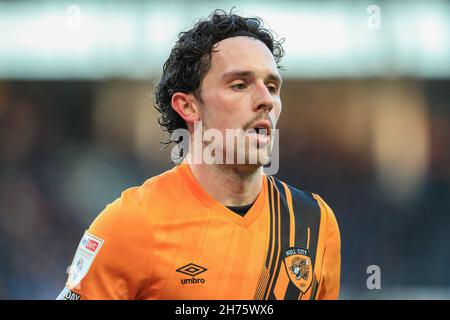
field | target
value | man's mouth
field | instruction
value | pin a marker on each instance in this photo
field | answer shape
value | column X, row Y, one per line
column 261, row 130
column 262, row 127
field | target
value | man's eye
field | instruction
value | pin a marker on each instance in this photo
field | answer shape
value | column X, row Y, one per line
column 272, row 89
column 239, row 86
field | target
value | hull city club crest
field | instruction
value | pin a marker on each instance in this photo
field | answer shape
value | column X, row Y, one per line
column 299, row 267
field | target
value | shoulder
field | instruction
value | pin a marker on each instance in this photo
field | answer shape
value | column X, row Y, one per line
column 302, row 201
column 300, row 195
column 126, row 212
column 163, row 182
column 306, row 204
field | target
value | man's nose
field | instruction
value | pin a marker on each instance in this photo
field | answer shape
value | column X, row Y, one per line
column 264, row 99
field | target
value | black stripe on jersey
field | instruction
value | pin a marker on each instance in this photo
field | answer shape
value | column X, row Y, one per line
column 307, row 214
column 315, row 285
column 260, row 290
column 285, row 233
column 268, row 294
column 292, row 292
column 272, row 238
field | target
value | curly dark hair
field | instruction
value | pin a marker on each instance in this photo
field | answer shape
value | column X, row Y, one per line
column 190, row 59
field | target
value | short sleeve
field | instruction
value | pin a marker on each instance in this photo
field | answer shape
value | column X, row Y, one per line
column 331, row 267
column 114, row 258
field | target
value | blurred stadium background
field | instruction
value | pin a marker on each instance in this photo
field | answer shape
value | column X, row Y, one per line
column 365, row 124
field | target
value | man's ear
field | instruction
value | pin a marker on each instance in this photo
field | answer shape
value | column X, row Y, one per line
column 186, row 107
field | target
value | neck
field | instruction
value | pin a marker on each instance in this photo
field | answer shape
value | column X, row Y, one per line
column 231, row 185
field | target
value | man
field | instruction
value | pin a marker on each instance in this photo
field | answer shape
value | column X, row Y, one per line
column 214, row 230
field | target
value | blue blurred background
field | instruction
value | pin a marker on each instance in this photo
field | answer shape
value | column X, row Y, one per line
column 365, row 124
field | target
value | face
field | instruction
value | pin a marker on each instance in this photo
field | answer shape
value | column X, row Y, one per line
column 241, row 90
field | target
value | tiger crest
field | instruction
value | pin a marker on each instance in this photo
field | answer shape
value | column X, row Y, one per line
column 299, row 267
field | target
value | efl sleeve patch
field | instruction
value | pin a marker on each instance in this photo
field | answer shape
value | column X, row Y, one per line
column 87, row 250
column 68, row 294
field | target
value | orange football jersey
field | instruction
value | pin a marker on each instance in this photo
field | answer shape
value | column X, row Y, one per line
column 169, row 239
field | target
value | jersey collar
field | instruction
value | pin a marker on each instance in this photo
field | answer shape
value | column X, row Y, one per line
column 217, row 206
